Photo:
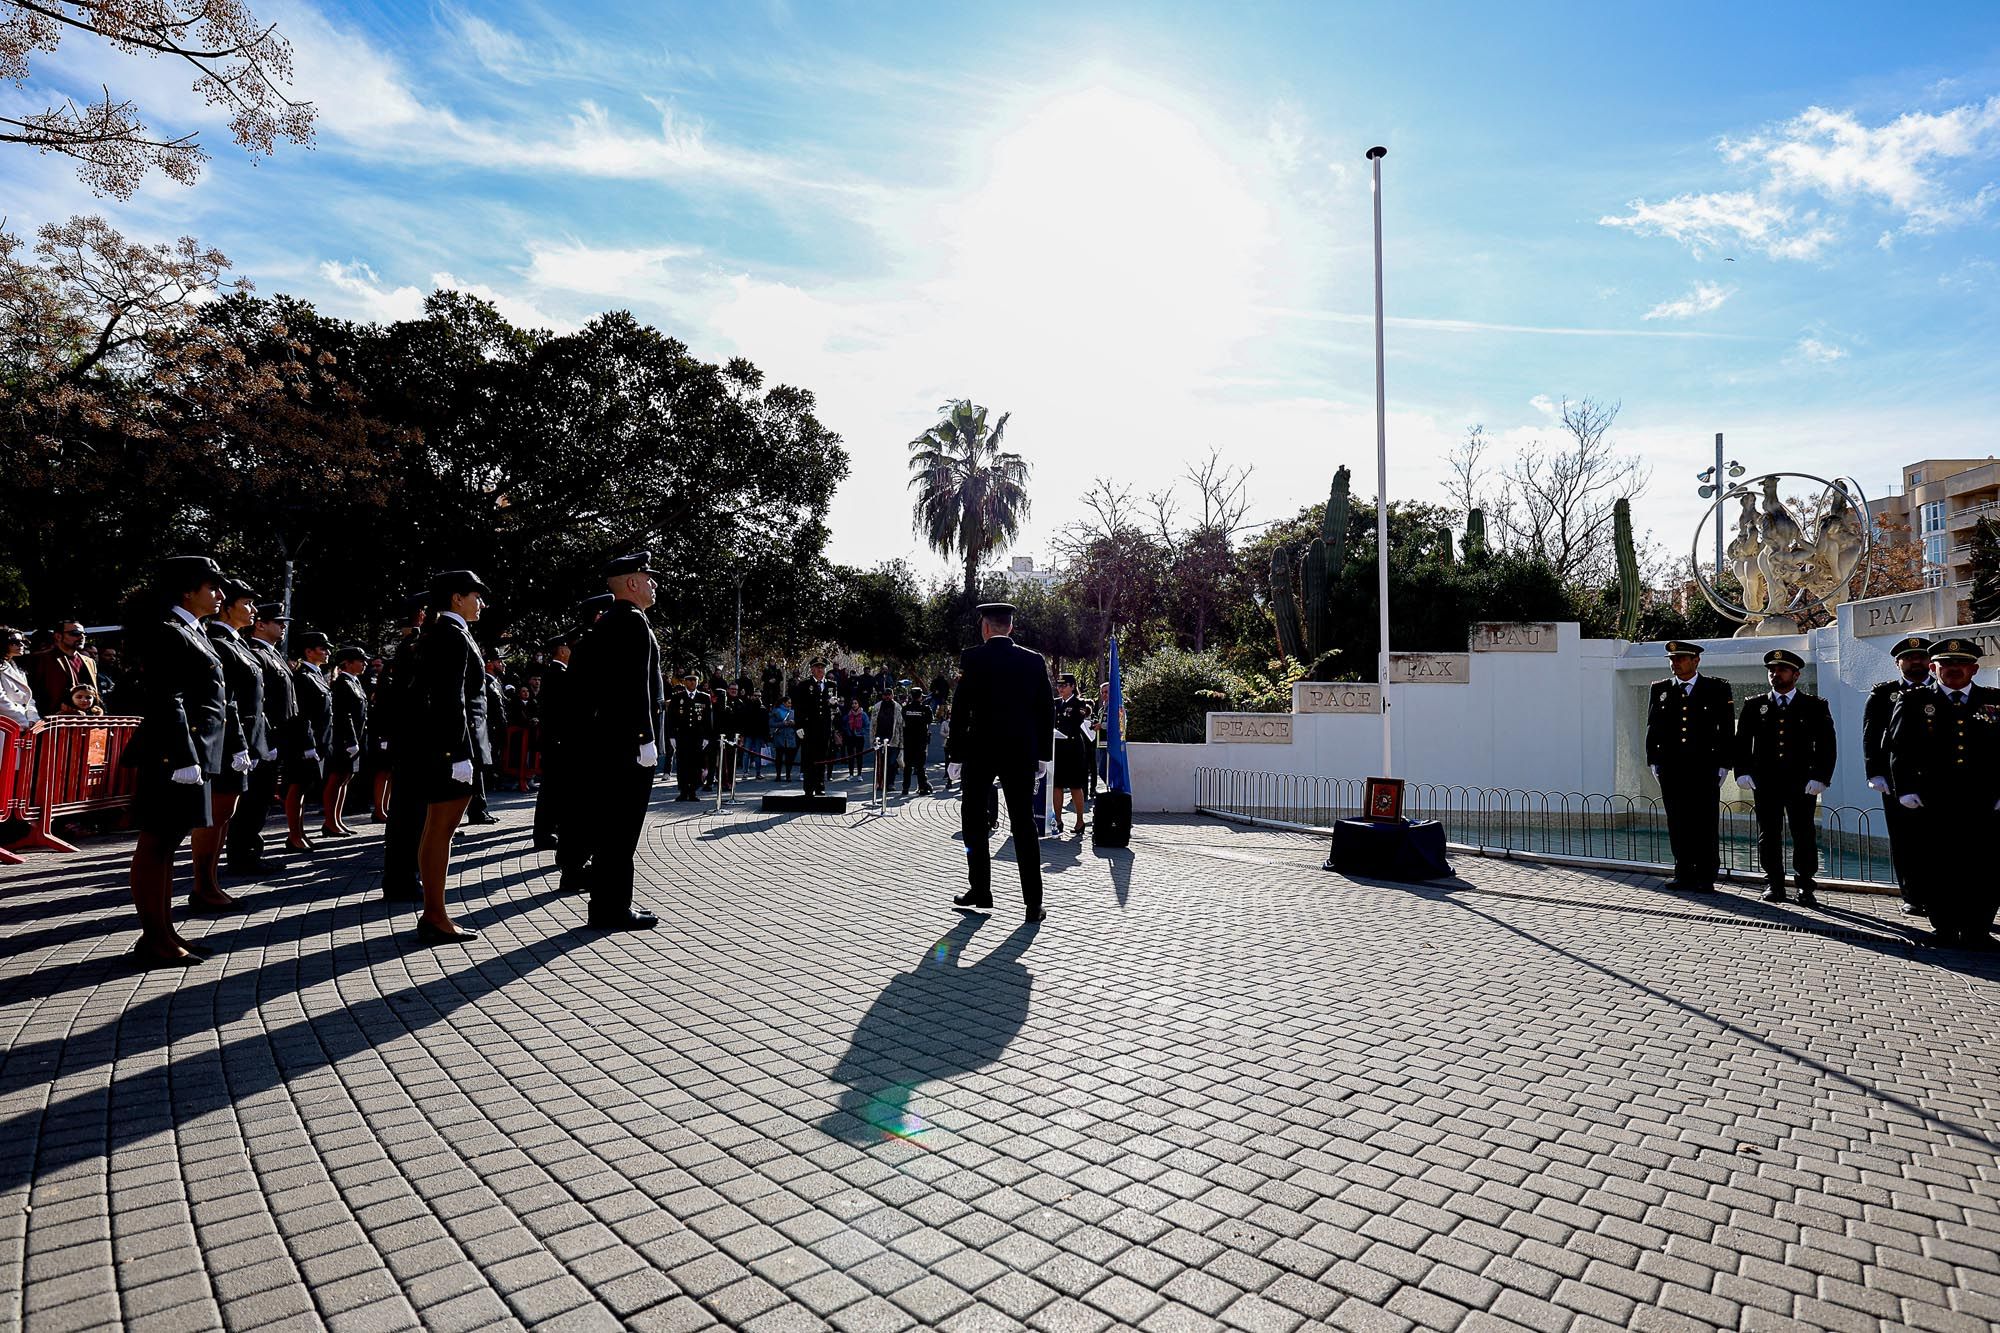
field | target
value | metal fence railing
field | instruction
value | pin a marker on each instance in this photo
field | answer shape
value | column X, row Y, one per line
column 1582, row 826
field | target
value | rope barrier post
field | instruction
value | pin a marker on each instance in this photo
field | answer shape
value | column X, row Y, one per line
column 722, row 770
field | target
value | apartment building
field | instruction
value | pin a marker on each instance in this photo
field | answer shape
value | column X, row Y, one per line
column 1942, row 498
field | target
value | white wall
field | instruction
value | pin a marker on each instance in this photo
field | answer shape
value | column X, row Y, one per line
column 1568, row 721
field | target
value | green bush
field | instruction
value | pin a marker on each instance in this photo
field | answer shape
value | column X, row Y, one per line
column 1169, row 695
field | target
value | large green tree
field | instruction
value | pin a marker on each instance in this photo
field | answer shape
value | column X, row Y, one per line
column 972, row 495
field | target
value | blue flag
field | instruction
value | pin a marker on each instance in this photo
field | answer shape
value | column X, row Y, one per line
column 1118, row 773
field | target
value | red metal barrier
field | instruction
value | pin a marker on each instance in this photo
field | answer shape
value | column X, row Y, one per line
column 15, row 747
column 521, row 755
column 77, row 771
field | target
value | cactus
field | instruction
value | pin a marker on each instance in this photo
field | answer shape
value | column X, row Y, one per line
column 1475, row 533
column 1283, row 606
column 1315, row 619
column 1333, row 526
column 1447, row 548
column 1628, row 570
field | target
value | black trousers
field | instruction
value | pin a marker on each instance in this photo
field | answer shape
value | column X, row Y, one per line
column 914, row 758
column 812, row 760
column 1953, row 831
column 548, row 797
column 246, row 823
column 687, row 766
column 1018, row 785
column 1693, row 798
column 1778, row 802
column 1899, row 824
column 408, row 807
column 619, row 795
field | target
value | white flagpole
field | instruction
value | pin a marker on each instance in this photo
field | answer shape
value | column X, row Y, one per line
column 1375, row 156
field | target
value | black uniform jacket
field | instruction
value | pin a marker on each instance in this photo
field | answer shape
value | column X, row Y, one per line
column 183, row 700
column 1949, row 754
column 556, row 700
column 448, row 697
column 281, row 701
column 916, row 725
column 1686, row 730
column 1003, row 716
column 1791, row 746
column 350, row 711
column 616, row 694
column 312, row 729
column 243, row 674
column 691, row 717
column 1875, row 723
column 815, row 703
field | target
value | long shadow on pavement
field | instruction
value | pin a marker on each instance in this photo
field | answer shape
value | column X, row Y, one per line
column 933, row 1022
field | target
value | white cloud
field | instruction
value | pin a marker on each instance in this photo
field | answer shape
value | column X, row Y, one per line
column 361, row 291
column 1544, row 404
column 602, row 271
column 1901, row 167
column 1700, row 300
column 1728, row 220
column 1820, row 353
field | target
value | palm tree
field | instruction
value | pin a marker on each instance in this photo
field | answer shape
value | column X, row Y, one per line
column 971, row 497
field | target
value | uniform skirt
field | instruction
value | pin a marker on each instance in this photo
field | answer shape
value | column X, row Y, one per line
column 169, row 809
column 1072, row 763
column 430, row 783
column 303, row 772
column 230, row 783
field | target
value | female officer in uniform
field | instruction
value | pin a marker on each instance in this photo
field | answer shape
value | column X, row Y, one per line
column 1072, row 749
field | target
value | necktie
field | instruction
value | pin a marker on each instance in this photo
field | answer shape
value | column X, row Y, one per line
column 1687, row 690
column 1958, row 696
column 1782, row 703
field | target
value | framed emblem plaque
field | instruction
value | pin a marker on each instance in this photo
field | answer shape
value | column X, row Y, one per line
column 1384, row 799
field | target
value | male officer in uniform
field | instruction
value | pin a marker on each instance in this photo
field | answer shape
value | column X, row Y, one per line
column 615, row 719
column 1689, row 735
column 916, row 742
column 1784, row 759
column 402, row 721
column 1944, row 766
column 554, row 699
column 1003, row 722
column 1913, row 665
column 691, row 722
column 814, row 701
column 246, row 824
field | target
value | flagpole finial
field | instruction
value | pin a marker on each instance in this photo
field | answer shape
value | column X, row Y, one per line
column 1377, row 151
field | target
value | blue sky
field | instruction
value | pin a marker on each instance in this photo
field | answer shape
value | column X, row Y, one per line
column 1143, row 229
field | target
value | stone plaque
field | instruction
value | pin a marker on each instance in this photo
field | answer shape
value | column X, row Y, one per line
column 1505, row 636
column 1430, row 668
column 1988, row 639
column 1898, row 613
column 1313, row 696
column 1249, row 728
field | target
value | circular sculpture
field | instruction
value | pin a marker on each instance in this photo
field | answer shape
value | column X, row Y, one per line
column 1787, row 563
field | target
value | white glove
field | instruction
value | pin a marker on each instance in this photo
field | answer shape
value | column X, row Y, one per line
column 1746, row 782
column 1879, row 785
column 187, row 777
column 1655, row 768
column 462, row 772
column 1911, row 802
column 1721, row 773
column 1815, row 787
column 649, row 755
column 241, row 761
column 271, row 753
column 353, row 750
column 952, row 771
column 310, row 754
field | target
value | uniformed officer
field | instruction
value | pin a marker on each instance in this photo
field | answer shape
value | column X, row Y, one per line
column 554, row 699
column 246, row 824
column 350, row 731
column 1913, row 665
column 1784, row 759
column 916, row 742
column 312, row 735
column 691, row 721
column 447, row 738
column 1003, row 723
column 401, row 703
column 616, row 718
column 1689, row 735
column 1944, row 766
column 1072, row 766
column 244, row 741
column 814, row 699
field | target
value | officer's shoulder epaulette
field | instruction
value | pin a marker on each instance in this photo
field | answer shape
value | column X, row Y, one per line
column 1886, row 687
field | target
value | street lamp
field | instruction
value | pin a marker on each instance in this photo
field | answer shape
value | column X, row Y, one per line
column 1714, row 480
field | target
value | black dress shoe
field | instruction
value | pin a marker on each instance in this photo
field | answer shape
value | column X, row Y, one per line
column 1035, row 916
column 1807, row 897
column 1773, row 896
column 427, row 934
column 636, row 919
column 205, row 907
column 252, row 869
column 984, row 901
column 484, row 819
column 142, row 957
column 545, row 844
column 1915, row 909
column 572, row 882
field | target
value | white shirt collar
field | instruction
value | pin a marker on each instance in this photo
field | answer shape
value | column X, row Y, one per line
column 308, row 666
column 453, row 615
column 1786, row 697
column 187, row 617
column 1687, row 684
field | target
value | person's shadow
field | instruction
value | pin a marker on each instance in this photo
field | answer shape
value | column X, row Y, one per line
column 933, row 1022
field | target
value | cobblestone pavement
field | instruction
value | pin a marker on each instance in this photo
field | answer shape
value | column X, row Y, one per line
column 1220, row 1087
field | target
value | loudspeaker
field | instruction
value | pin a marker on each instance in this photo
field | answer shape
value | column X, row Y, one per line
column 1111, row 820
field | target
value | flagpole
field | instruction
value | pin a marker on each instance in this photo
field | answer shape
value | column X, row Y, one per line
column 1375, row 156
